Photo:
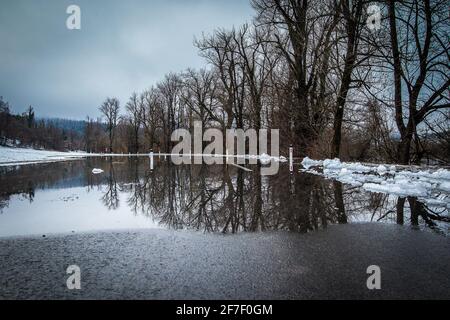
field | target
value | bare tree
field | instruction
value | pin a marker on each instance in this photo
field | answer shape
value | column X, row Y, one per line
column 294, row 23
column 220, row 51
column 134, row 109
column 199, row 94
column 310, row 68
column 258, row 62
column 169, row 90
column 419, row 32
column 352, row 16
column 152, row 115
column 110, row 109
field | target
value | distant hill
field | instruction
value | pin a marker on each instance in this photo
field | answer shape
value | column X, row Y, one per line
column 66, row 124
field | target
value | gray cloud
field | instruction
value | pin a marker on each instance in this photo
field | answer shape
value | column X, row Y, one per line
column 123, row 46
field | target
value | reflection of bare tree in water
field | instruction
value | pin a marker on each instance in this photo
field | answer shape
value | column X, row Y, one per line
column 171, row 216
column 25, row 188
column 134, row 186
column 229, row 200
column 302, row 203
column 204, row 196
column 230, row 210
column 401, row 210
column 222, row 198
column 111, row 197
column 339, row 199
column 419, row 209
column 226, row 199
column 4, row 202
column 137, row 186
column 26, row 180
column 153, row 193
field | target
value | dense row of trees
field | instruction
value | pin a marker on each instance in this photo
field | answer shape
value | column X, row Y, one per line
column 321, row 72
column 337, row 78
column 26, row 130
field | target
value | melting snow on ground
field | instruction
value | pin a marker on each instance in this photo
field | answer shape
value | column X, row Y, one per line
column 264, row 158
column 9, row 156
column 431, row 186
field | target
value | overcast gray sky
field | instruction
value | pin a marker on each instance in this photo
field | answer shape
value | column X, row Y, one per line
column 123, row 46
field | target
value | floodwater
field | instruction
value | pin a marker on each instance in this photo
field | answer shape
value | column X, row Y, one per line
column 66, row 197
column 210, row 232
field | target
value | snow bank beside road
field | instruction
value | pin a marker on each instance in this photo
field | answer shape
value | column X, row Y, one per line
column 18, row 156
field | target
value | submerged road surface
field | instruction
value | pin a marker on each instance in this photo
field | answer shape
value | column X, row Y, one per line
column 162, row 264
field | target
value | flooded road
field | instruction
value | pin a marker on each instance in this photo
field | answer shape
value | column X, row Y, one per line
column 214, row 232
column 67, row 197
column 163, row 264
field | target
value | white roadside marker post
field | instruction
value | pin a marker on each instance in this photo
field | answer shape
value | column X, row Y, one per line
column 291, row 159
column 151, row 159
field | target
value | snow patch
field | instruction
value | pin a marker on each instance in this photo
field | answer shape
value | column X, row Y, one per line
column 308, row 163
column 430, row 185
column 265, row 158
column 402, row 188
column 20, row 156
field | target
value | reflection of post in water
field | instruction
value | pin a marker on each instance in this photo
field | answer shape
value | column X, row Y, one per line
column 111, row 197
column 302, row 209
column 339, row 200
column 154, row 193
column 291, row 202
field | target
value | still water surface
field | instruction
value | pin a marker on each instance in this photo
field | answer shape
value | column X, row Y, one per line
column 66, row 197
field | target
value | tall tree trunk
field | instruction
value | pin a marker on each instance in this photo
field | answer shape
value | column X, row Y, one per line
column 302, row 130
column 136, row 140
column 110, row 141
column 403, row 150
column 404, row 147
column 352, row 25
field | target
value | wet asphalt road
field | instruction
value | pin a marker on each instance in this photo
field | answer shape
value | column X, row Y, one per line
column 162, row 264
